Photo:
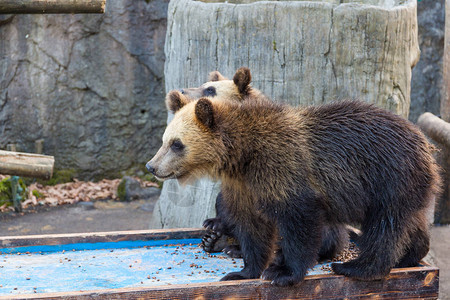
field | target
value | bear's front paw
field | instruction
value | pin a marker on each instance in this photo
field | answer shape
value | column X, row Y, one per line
column 281, row 275
column 214, row 224
column 233, row 251
column 214, row 242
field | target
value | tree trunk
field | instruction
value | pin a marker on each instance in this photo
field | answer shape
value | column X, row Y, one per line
column 299, row 52
column 51, row 6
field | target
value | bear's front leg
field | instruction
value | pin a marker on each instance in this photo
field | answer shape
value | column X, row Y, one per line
column 299, row 230
column 255, row 237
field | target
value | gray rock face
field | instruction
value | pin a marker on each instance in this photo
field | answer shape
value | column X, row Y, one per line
column 91, row 86
column 426, row 82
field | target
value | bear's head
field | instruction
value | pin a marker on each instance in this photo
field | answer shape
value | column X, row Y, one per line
column 218, row 87
column 191, row 144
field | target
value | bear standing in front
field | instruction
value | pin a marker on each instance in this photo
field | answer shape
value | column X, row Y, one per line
column 219, row 235
column 286, row 172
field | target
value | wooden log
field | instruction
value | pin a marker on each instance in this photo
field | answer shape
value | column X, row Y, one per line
column 26, row 164
column 354, row 50
column 436, row 128
column 51, row 6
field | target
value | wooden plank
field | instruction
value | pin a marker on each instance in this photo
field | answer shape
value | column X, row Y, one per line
column 51, row 6
column 100, row 237
column 407, row 283
column 26, row 164
column 410, row 283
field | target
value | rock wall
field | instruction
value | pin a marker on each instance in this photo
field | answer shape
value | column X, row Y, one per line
column 91, row 86
column 426, row 82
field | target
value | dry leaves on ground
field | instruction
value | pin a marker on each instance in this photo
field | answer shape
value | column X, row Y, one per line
column 72, row 192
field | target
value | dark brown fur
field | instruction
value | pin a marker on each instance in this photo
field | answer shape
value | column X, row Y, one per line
column 287, row 172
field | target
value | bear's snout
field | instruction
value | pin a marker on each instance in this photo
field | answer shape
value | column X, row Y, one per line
column 150, row 168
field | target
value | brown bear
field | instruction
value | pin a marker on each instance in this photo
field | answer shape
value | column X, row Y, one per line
column 287, row 172
column 219, row 235
column 218, row 86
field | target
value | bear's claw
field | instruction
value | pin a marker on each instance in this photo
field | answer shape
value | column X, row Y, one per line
column 280, row 275
column 353, row 270
column 214, row 224
column 233, row 251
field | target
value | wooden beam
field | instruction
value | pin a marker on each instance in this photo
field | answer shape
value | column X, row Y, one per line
column 26, row 164
column 407, row 283
column 52, row 6
column 101, row 237
column 436, row 128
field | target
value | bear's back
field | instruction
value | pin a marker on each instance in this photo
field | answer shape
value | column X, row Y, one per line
column 359, row 150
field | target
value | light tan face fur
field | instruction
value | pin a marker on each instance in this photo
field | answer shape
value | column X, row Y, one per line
column 193, row 160
column 200, row 148
column 224, row 89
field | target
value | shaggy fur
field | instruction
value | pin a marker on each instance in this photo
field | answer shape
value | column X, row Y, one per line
column 219, row 235
column 287, row 172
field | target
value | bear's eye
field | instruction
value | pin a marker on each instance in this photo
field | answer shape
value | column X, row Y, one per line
column 177, row 146
column 209, row 91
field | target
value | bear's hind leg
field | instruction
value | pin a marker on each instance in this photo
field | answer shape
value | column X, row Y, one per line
column 419, row 245
column 381, row 245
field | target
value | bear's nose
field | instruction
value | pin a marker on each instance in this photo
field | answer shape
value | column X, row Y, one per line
column 150, row 168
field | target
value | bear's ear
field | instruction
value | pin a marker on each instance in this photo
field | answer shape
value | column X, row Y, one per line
column 204, row 112
column 216, row 76
column 242, row 79
column 175, row 101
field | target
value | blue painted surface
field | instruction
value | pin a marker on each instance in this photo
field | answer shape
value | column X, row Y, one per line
column 95, row 246
column 84, row 267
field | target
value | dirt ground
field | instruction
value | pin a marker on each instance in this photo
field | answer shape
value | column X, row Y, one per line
column 95, row 216
column 115, row 216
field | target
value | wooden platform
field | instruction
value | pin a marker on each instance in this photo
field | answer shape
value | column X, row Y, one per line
column 170, row 265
